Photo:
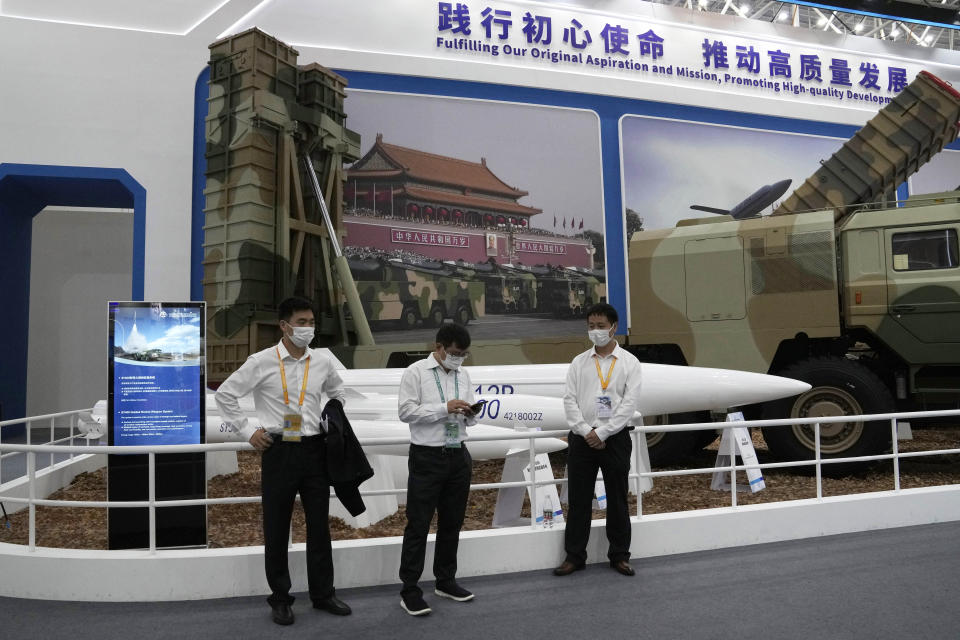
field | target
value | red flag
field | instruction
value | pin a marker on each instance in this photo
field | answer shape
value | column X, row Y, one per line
column 581, row 223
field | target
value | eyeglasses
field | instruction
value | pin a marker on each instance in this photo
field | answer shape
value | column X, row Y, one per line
column 462, row 354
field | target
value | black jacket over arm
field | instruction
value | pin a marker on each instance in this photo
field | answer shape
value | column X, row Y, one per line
column 347, row 464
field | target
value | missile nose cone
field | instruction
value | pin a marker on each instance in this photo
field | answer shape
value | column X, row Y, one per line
column 788, row 386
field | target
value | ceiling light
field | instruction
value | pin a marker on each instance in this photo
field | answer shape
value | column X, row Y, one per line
column 858, row 27
column 822, row 21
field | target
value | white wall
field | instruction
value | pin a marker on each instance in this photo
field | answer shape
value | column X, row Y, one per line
column 80, row 259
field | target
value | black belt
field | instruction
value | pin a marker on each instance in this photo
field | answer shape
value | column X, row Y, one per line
column 436, row 449
column 320, row 437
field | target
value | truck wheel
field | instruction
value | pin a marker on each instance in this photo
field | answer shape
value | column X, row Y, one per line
column 408, row 318
column 436, row 317
column 669, row 449
column 463, row 315
column 840, row 387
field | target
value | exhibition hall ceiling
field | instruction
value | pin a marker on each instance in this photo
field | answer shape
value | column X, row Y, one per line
column 838, row 22
column 173, row 17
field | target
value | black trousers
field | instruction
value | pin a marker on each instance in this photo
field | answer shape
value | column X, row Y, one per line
column 439, row 481
column 287, row 468
column 582, row 465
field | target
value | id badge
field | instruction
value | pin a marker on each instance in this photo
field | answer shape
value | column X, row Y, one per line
column 292, row 423
column 451, row 435
column 604, row 407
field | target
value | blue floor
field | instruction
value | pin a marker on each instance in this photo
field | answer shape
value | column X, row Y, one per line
column 896, row 583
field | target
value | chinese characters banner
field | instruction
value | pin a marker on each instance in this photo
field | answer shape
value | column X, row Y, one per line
column 651, row 50
column 412, row 236
column 540, row 247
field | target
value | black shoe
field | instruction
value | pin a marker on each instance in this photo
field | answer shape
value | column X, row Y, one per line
column 453, row 591
column 414, row 604
column 623, row 566
column 334, row 605
column 282, row 613
column 567, row 568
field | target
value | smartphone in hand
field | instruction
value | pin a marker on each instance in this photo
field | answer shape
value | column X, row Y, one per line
column 475, row 408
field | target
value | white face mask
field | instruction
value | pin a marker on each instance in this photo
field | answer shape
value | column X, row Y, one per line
column 600, row 337
column 302, row 336
column 452, row 362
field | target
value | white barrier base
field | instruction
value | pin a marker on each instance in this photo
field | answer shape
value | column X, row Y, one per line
column 60, row 574
column 51, row 479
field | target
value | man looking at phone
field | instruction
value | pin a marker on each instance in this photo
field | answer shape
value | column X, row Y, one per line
column 435, row 400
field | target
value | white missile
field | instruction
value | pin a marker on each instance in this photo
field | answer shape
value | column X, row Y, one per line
column 378, row 419
column 479, row 450
column 530, row 395
column 665, row 388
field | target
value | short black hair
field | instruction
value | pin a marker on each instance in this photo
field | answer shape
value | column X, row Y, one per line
column 452, row 333
column 603, row 309
column 291, row 305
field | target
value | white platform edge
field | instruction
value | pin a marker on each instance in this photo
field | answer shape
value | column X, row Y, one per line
column 62, row 574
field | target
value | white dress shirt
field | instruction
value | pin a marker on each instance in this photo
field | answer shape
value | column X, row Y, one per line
column 421, row 406
column 260, row 375
column 583, row 388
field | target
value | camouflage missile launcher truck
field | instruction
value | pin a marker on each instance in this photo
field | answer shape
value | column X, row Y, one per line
column 395, row 291
column 857, row 298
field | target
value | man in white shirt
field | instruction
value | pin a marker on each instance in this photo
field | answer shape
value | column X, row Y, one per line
column 603, row 385
column 435, row 400
column 288, row 381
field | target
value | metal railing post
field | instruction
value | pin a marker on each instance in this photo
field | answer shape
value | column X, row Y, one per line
column 32, row 494
column 73, row 420
column 52, row 438
column 152, row 497
column 896, row 455
column 733, row 471
column 816, row 448
column 637, row 462
column 534, row 504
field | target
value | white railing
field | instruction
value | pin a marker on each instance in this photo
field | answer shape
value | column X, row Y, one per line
column 532, row 484
column 72, row 418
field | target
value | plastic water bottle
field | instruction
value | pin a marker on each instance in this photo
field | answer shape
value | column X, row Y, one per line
column 548, row 513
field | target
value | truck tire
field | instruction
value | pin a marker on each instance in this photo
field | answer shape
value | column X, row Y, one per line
column 409, row 317
column 436, row 316
column 669, row 449
column 840, row 387
column 463, row 315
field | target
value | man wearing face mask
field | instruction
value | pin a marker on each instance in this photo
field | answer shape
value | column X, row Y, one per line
column 435, row 398
column 286, row 381
column 603, row 385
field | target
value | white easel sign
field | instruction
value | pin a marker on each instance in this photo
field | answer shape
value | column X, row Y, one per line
column 516, row 467
column 736, row 441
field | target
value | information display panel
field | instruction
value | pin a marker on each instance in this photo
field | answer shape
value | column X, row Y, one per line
column 157, row 373
column 157, row 381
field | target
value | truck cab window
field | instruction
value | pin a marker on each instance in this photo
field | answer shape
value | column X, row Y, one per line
column 920, row 250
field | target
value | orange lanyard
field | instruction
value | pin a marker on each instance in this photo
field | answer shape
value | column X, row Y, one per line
column 283, row 378
column 604, row 382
